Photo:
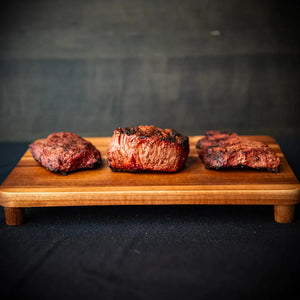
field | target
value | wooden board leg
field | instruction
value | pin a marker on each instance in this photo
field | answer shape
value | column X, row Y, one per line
column 284, row 213
column 14, row 215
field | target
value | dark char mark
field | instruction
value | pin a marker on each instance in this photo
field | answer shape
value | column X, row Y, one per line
column 134, row 130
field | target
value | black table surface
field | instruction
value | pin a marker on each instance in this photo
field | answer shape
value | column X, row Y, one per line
column 149, row 252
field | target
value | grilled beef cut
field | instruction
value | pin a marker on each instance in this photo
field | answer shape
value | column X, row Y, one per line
column 147, row 148
column 65, row 152
column 220, row 150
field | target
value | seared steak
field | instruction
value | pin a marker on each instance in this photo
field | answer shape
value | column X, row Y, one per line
column 65, row 152
column 220, row 150
column 147, row 148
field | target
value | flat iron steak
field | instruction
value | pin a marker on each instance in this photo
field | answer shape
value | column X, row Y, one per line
column 65, row 152
column 220, row 150
column 147, row 148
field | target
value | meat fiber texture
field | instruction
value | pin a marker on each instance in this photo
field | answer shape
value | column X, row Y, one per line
column 65, row 152
column 220, row 150
column 147, row 148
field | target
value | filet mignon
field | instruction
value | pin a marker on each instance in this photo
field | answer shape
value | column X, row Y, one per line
column 147, row 148
column 65, row 152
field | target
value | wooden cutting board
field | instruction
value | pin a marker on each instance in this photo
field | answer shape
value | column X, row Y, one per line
column 30, row 185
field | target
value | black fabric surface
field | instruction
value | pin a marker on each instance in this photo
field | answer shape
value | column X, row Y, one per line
column 148, row 252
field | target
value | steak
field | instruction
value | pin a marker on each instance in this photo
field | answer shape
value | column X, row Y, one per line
column 65, row 152
column 147, row 148
column 219, row 150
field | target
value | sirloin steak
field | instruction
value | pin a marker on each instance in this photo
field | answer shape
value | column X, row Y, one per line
column 147, row 148
column 220, row 150
column 65, row 152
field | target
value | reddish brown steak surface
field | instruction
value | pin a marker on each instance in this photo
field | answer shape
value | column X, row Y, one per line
column 65, row 152
column 147, row 148
column 220, row 150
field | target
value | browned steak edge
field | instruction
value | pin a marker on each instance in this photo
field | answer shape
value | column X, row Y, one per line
column 170, row 138
column 95, row 165
column 204, row 144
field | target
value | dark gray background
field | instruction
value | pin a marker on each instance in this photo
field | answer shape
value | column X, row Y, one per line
column 91, row 66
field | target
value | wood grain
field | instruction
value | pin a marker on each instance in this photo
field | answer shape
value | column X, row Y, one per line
column 284, row 213
column 14, row 215
column 30, row 185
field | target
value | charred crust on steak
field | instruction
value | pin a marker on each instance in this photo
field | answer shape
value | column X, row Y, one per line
column 65, row 152
column 271, row 170
column 144, row 171
column 146, row 131
column 95, row 165
column 147, row 148
column 223, row 150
